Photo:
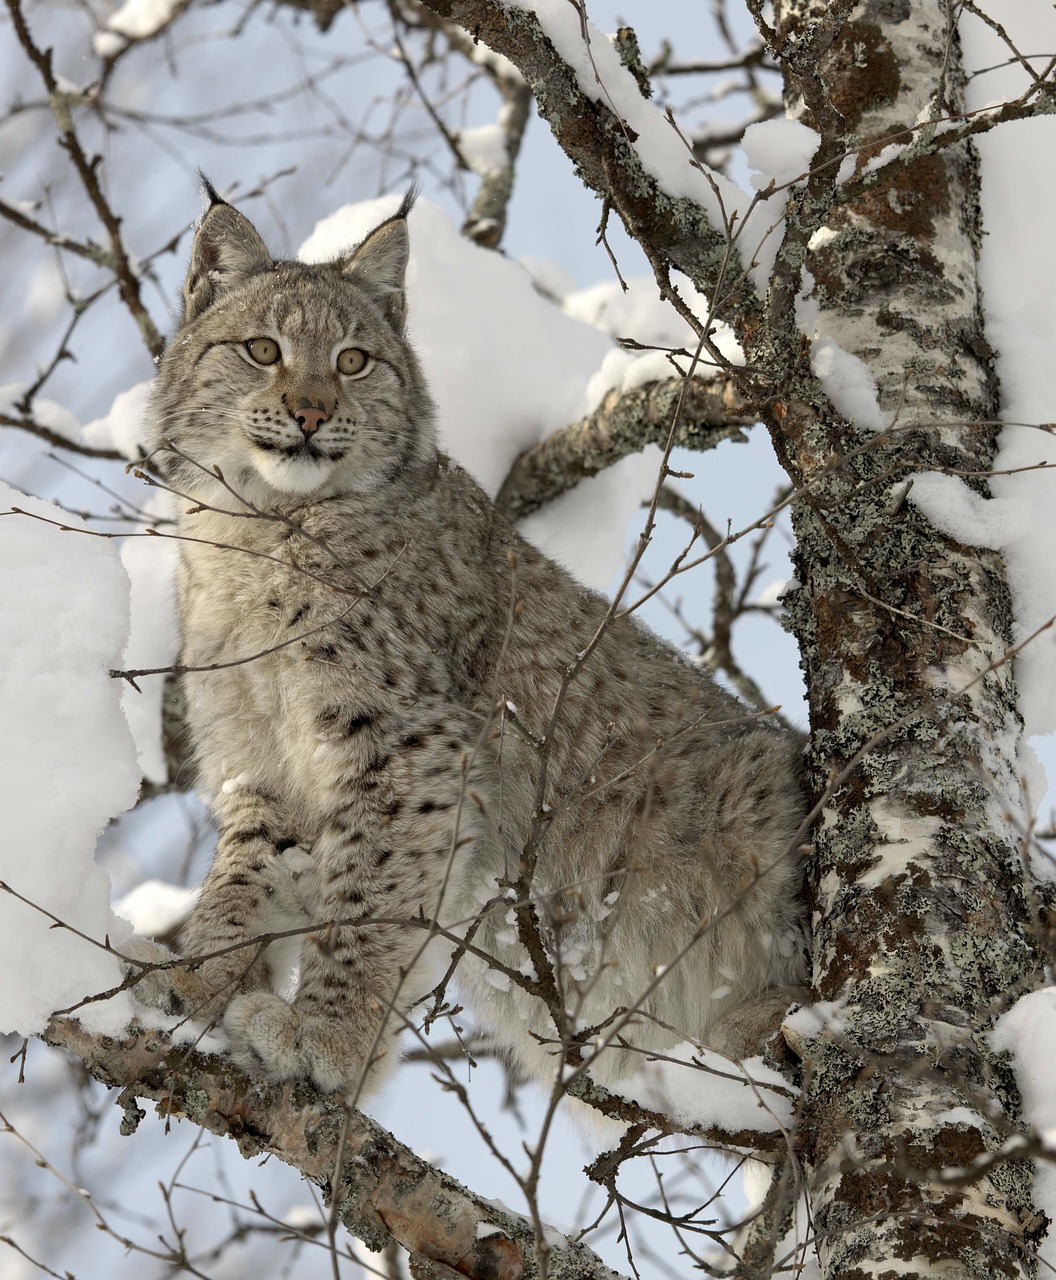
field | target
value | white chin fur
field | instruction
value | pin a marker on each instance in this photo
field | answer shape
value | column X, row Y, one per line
column 293, row 475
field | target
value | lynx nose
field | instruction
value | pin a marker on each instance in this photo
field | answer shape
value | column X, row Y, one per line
column 310, row 417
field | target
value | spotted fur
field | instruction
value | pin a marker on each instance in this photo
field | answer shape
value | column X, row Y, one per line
column 375, row 695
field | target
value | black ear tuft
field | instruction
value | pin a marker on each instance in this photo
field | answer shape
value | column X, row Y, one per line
column 214, row 196
column 227, row 250
column 380, row 261
column 408, row 201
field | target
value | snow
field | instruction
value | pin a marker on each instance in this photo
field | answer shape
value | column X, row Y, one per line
column 137, row 19
column 154, row 908
column 302, row 1217
column 780, row 149
column 968, row 515
column 10, row 394
column 153, row 642
column 700, row 1087
column 1028, row 1032
column 639, row 312
column 56, row 417
column 484, row 148
column 779, row 152
column 124, row 426
column 848, row 382
column 67, row 764
column 567, row 529
column 486, row 1229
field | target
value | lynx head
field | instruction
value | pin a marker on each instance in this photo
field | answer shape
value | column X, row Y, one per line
column 294, row 380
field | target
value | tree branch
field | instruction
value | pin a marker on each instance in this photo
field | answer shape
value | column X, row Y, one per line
column 600, row 145
column 385, row 1192
column 57, row 440
column 624, row 423
column 87, row 168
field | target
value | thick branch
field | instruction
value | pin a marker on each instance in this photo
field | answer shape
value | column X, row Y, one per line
column 385, row 1191
column 600, row 145
column 624, row 423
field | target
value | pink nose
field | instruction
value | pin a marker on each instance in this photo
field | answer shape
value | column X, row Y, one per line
column 310, row 417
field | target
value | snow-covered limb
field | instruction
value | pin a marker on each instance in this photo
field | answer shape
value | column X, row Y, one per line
column 591, row 126
column 27, row 422
column 384, row 1190
column 624, row 423
column 492, row 150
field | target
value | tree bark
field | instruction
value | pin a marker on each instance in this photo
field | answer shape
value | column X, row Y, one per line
column 923, row 931
column 712, row 410
column 382, row 1190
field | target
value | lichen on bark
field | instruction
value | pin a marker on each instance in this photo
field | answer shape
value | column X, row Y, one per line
column 923, row 934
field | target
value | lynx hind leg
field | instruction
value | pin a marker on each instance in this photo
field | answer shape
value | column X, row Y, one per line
column 745, row 1031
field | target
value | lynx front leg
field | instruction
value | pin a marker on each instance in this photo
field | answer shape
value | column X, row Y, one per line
column 390, row 860
column 340, row 1029
column 249, row 891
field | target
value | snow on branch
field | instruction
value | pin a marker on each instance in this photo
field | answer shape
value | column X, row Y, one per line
column 594, row 129
column 624, row 423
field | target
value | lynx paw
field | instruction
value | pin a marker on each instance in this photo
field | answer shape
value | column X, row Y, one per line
column 174, row 990
column 746, row 1030
column 273, row 1037
column 153, row 986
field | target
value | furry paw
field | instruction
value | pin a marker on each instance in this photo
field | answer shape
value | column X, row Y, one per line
column 749, row 1028
column 175, row 990
column 274, row 1038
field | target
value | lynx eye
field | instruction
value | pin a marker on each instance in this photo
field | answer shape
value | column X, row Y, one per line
column 263, row 350
column 352, row 361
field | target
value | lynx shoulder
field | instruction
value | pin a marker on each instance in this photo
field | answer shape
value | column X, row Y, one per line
column 420, row 737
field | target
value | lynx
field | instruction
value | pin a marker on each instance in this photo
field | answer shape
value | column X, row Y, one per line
column 420, row 738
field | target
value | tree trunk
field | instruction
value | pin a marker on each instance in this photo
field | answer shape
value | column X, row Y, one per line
column 923, row 925
column 923, row 933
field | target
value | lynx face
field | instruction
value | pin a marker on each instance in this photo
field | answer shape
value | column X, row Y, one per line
column 292, row 379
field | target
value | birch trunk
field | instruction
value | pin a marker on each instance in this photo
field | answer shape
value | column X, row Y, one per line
column 923, row 933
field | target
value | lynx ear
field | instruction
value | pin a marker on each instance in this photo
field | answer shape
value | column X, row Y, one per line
column 380, row 262
column 226, row 251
